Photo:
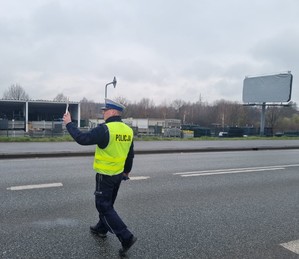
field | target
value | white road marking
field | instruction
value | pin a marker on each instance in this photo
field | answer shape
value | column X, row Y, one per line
column 292, row 246
column 136, row 178
column 49, row 185
column 231, row 171
column 34, row 186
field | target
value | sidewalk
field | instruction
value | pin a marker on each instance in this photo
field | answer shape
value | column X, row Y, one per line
column 57, row 149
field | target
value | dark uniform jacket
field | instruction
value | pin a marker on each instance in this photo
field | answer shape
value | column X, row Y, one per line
column 99, row 136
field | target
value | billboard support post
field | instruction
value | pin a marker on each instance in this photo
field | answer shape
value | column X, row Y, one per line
column 262, row 126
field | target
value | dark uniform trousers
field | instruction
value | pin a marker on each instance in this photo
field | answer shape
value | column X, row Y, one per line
column 105, row 195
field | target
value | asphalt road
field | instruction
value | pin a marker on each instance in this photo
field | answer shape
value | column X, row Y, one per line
column 195, row 205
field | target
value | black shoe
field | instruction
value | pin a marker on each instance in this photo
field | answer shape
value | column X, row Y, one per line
column 95, row 230
column 126, row 246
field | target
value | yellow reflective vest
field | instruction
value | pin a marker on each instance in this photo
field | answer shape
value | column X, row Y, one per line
column 111, row 160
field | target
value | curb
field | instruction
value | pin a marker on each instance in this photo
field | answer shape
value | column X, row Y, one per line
column 140, row 152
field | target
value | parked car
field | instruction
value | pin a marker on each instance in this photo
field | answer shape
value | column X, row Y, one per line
column 223, row 134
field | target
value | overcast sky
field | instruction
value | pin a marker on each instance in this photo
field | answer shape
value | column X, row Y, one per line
column 159, row 49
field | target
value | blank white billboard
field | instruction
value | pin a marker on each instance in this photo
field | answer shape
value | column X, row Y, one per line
column 270, row 88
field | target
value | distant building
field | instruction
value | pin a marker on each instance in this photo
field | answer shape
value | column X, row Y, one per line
column 35, row 114
column 150, row 126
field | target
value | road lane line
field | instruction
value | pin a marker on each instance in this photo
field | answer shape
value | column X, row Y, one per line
column 233, row 169
column 230, row 171
column 34, row 186
column 233, row 172
column 292, row 246
column 238, row 169
column 136, row 178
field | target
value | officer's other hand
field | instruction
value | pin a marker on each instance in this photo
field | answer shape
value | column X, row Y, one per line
column 67, row 118
column 126, row 177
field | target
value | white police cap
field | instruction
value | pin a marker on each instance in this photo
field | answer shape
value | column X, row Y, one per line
column 109, row 104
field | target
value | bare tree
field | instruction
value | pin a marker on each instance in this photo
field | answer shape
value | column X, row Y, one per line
column 89, row 109
column 15, row 92
column 178, row 105
column 122, row 100
column 282, row 118
column 60, row 98
column 128, row 111
column 272, row 116
column 146, row 107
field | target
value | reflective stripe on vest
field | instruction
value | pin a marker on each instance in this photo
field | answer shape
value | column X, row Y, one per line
column 111, row 160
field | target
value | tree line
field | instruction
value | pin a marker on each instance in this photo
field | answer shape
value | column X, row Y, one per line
column 221, row 113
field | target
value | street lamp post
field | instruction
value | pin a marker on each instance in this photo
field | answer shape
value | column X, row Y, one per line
column 111, row 83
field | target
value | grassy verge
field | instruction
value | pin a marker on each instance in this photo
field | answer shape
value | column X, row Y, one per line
column 36, row 139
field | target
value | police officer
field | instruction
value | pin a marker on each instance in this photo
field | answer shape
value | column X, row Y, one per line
column 113, row 162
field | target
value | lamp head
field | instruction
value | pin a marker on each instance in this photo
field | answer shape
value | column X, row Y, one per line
column 114, row 82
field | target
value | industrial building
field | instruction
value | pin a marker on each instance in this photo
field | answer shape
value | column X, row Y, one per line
column 35, row 116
